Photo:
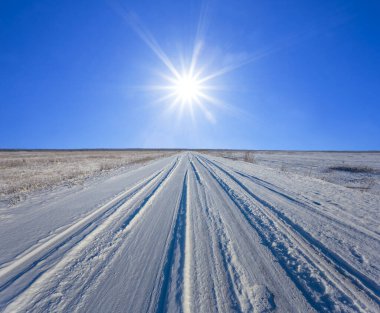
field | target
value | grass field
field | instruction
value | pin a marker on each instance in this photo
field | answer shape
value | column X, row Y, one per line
column 23, row 172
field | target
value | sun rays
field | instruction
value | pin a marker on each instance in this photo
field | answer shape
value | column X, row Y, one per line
column 185, row 88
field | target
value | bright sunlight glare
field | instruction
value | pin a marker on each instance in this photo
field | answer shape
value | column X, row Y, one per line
column 187, row 89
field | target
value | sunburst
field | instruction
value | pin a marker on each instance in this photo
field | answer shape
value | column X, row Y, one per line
column 187, row 89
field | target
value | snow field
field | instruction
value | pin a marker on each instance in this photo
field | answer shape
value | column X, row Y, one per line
column 195, row 233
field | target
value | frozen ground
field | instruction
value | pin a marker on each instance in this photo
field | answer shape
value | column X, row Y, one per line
column 24, row 172
column 355, row 170
column 194, row 233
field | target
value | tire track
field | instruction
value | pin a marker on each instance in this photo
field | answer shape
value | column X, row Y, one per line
column 325, row 215
column 176, row 248
column 366, row 282
column 241, row 298
column 267, row 222
column 62, row 242
column 86, row 260
column 205, row 251
column 187, row 288
column 348, row 228
column 351, row 231
column 118, row 242
column 196, row 173
column 175, row 291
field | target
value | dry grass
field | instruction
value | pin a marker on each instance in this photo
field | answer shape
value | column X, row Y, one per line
column 352, row 169
column 22, row 172
column 246, row 155
column 249, row 157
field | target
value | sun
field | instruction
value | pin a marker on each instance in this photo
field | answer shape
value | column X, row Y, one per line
column 187, row 91
column 187, row 88
column 187, row 85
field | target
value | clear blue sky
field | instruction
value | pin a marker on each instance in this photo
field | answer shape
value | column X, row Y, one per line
column 73, row 74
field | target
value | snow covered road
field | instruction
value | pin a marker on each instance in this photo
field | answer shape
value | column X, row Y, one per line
column 194, row 233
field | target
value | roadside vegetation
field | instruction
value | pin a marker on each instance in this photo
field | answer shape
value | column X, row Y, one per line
column 23, row 172
column 352, row 169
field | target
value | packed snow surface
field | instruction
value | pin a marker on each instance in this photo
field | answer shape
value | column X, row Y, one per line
column 194, row 233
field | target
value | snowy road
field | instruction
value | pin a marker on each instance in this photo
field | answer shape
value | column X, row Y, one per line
column 193, row 233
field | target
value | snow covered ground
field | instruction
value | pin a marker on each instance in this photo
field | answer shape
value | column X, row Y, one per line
column 194, row 233
column 355, row 170
column 23, row 173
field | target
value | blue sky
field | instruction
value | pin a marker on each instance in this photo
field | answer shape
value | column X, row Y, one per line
column 76, row 74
